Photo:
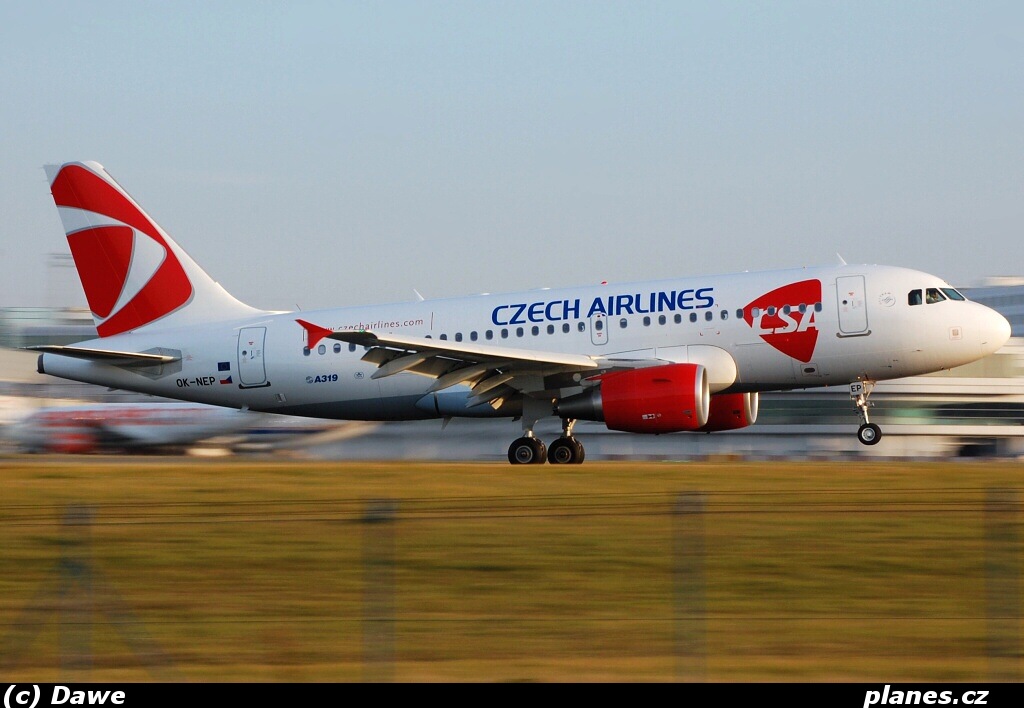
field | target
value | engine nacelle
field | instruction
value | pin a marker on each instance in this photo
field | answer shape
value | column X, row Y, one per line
column 658, row 399
column 731, row 411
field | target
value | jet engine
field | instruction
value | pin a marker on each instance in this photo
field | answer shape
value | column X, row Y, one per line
column 731, row 411
column 657, row 399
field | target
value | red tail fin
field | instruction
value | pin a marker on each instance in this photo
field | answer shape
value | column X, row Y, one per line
column 132, row 271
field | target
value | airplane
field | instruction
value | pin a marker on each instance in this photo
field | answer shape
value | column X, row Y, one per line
column 680, row 355
column 92, row 427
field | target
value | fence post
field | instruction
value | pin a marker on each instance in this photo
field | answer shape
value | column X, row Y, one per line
column 689, row 587
column 76, row 606
column 1002, row 584
column 379, row 591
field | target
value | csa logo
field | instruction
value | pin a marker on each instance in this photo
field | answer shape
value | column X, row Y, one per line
column 129, row 274
column 781, row 323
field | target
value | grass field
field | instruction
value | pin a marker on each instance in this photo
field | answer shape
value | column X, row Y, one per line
column 247, row 571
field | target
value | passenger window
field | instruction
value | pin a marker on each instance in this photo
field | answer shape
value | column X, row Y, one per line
column 551, row 329
column 661, row 319
column 488, row 335
column 709, row 315
column 647, row 321
column 472, row 336
column 458, row 336
column 352, row 347
column 755, row 312
column 785, row 309
column 693, row 317
column 932, row 296
column 725, row 314
column 305, row 351
column 802, row 308
column 322, row 349
column 599, row 325
column 535, row 330
column 817, row 307
column 739, row 314
column 519, row 331
column 444, row 337
column 565, row 328
column 504, row 334
column 771, row 311
column 582, row 326
column 914, row 298
column 678, row 318
column 623, row 322
column 337, row 348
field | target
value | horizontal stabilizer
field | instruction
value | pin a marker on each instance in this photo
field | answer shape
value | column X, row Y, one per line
column 107, row 356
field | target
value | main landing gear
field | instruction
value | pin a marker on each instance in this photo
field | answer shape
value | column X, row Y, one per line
column 868, row 433
column 527, row 450
column 566, row 450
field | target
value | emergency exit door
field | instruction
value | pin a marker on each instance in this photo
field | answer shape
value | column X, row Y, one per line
column 853, row 311
column 251, row 369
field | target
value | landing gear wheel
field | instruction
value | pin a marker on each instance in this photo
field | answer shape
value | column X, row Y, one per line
column 869, row 434
column 527, row 451
column 565, row 451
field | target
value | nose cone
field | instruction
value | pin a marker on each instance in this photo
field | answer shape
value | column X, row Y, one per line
column 995, row 330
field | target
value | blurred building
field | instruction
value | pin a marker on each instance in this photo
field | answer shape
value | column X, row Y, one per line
column 29, row 326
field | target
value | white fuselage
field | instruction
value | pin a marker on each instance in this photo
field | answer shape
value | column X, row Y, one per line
column 781, row 329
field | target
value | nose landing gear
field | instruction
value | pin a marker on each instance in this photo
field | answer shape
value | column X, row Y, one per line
column 868, row 433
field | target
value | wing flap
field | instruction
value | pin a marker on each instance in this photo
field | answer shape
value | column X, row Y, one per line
column 461, row 375
column 399, row 364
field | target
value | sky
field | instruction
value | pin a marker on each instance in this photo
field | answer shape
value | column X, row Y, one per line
column 326, row 154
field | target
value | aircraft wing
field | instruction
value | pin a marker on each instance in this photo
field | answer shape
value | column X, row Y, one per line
column 491, row 371
column 463, row 351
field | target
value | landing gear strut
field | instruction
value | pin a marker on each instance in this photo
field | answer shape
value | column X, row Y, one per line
column 868, row 433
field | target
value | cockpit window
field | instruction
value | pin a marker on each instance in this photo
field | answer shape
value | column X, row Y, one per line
column 914, row 298
column 953, row 294
column 933, row 295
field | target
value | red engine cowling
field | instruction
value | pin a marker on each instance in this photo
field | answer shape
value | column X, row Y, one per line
column 731, row 411
column 658, row 399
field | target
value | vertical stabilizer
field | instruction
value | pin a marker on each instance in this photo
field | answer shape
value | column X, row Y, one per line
column 134, row 274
